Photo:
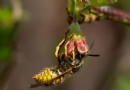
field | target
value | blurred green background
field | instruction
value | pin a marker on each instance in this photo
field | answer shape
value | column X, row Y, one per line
column 27, row 47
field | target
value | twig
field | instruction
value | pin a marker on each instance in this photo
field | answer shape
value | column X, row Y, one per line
column 113, row 14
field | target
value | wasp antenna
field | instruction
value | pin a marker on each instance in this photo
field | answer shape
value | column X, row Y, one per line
column 92, row 44
column 93, row 55
column 33, row 85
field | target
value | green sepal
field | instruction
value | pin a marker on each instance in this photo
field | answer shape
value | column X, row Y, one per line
column 74, row 29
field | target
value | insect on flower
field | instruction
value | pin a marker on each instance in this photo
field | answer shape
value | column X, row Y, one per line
column 74, row 44
column 73, row 48
column 70, row 53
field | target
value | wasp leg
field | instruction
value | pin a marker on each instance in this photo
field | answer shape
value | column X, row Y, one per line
column 73, row 54
column 66, row 52
column 62, row 74
column 73, row 50
column 58, row 47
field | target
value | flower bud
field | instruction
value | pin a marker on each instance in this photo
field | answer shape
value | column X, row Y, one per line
column 73, row 45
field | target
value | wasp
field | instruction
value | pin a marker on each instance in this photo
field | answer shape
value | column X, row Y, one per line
column 56, row 75
column 69, row 53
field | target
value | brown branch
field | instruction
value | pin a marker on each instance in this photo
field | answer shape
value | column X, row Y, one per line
column 113, row 14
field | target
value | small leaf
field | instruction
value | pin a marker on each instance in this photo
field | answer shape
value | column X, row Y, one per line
column 102, row 2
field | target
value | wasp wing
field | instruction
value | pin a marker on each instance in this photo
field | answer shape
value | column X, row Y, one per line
column 62, row 74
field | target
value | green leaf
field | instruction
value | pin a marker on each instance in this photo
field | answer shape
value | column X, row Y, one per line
column 71, row 6
column 102, row 2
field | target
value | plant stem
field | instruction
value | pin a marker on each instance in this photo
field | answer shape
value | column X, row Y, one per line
column 113, row 14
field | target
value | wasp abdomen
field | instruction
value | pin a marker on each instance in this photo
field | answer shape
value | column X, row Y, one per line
column 49, row 76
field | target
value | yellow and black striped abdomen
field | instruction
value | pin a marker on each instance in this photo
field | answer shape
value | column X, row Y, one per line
column 49, row 76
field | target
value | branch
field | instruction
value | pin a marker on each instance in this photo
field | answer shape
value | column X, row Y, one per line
column 113, row 14
column 89, row 15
